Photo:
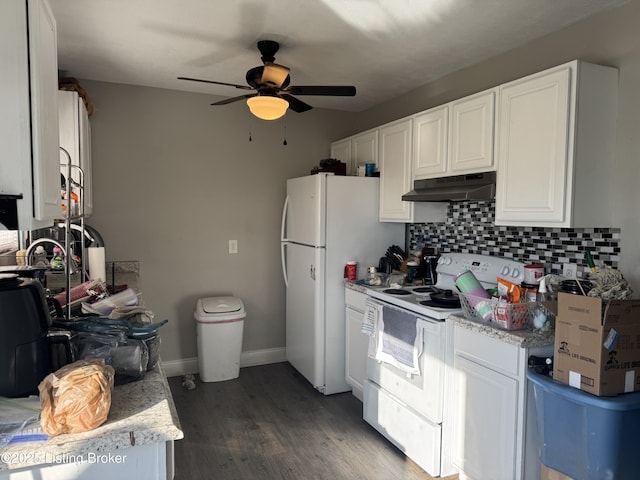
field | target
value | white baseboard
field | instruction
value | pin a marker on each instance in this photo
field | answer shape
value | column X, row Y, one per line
column 176, row 368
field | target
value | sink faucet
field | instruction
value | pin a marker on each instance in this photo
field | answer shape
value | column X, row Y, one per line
column 39, row 241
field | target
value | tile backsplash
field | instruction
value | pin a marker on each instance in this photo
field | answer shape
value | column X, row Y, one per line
column 470, row 228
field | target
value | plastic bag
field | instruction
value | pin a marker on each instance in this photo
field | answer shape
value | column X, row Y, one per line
column 77, row 397
column 19, row 420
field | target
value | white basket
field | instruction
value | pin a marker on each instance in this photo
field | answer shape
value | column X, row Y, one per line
column 499, row 313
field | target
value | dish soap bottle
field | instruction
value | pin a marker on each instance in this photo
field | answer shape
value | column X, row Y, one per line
column 57, row 262
column 540, row 316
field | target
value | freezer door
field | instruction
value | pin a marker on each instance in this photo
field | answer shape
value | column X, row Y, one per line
column 305, row 312
column 304, row 215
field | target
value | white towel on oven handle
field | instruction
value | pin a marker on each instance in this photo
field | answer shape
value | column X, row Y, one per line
column 373, row 325
column 389, row 358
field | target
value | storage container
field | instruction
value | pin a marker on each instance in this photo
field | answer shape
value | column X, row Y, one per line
column 499, row 313
column 585, row 436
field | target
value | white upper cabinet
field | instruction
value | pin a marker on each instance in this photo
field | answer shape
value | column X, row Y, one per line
column 75, row 138
column 455, row 138
column 341, row 150
column 430, row 140
column 357, row 150
column 365, row 149
column 395, row 171
column 472, row 133
column 555, row 147
column 30, row 164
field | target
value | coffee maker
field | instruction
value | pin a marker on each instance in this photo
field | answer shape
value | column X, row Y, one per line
column 427, row 266
column 26, row 338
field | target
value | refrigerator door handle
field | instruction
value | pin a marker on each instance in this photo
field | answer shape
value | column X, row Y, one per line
column 284, row 220
column 283, row 256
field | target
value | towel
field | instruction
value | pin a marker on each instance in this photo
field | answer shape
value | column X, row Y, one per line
column 371, row 312
column 395, row 336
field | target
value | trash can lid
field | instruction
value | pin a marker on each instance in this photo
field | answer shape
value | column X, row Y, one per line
column 221, row 305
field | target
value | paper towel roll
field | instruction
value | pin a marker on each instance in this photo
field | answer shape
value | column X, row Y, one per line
column 97, row 269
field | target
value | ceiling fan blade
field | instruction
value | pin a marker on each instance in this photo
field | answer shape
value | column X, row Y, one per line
column 333, row 90
column 243, row 87
column 274, row 75
column 234, row 99
column 296, row 105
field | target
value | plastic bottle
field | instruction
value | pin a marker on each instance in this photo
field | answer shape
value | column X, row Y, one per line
column 40, row 257
column 540, row 320
column 542, row 291
column 57, row 262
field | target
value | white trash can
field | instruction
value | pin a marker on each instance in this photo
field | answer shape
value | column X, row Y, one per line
column 220, row 322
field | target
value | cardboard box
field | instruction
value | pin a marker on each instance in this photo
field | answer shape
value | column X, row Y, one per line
column 547, row 473
column 597, row 344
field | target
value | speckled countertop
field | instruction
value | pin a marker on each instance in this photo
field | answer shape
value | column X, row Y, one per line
column 525, row 338
column 142, row 413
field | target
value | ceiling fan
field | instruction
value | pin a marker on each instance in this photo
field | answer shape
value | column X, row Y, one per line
column 273, row 94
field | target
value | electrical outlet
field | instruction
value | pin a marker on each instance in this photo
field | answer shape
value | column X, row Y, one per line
column 233, row 246
column 569, row 270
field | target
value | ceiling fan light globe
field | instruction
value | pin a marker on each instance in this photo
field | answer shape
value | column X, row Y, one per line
column 267, row 107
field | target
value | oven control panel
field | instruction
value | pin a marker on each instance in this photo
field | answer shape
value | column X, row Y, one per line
column 486, row 268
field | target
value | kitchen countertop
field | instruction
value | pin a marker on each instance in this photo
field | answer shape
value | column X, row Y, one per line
column 141, row 413
column 525, row 338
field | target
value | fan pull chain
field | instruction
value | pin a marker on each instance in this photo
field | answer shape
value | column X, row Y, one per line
column 250, row 128
column 285, row 133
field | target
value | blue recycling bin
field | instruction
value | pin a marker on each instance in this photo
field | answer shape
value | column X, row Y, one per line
column 585, row 436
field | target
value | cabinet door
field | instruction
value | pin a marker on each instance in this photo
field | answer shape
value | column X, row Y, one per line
column 484, row 416
column 395, row 172
column 341, row 150
column 364, row 148
column 532, row 150
column 85, row 156
column 430, row 143
column 75, row 138
column 357, row 345
column 472, row 133
column 43, row 63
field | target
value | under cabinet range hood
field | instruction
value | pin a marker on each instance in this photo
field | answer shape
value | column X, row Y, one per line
column 474, row 186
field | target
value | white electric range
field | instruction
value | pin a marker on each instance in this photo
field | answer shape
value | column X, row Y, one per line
column 419, row 299
column 408, row 409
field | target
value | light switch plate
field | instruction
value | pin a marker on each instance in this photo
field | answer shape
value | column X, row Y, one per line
column 233, row 246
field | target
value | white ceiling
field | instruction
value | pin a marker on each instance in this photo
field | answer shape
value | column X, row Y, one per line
column 385, row 47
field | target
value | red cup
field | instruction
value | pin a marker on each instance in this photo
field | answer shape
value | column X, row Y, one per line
column 351, row 271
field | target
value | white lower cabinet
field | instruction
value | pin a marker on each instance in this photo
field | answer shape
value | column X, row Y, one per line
column 356, row 342
column 489, row 428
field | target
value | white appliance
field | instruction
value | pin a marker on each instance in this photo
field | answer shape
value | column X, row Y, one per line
column 408, row 409
column 327, row 221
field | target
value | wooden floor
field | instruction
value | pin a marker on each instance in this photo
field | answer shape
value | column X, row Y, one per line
column 271, row 424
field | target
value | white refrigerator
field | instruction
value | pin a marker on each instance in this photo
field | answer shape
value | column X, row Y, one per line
column 327, row 221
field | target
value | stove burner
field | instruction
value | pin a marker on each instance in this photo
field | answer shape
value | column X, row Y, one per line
column 436, row 304
column 396, row 291
column 425, row 290
column 443, row 299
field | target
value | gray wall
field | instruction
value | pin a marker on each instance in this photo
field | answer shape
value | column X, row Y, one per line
column 175, row 179
column 611, row 38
